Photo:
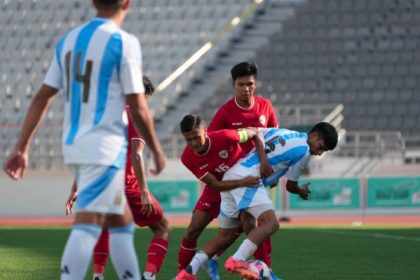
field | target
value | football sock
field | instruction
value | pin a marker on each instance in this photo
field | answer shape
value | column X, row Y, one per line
column 246, row 249
column 263, row 252
column 199, row 259
column 122, row 251
column 78, row 251
column 101, row 252
column 156, row 254
column 186, row 253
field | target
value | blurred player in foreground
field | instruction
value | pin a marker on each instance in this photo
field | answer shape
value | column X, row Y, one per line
column 145, row 208
column 288, row 152
column 98, row 66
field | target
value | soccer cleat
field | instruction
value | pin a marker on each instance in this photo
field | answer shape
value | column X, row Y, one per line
column 274, row 276
column 184, row 275
column 212, row 269
column 241, row 268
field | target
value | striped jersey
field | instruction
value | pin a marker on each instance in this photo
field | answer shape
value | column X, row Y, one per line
column 287, row 153
column 96, row 64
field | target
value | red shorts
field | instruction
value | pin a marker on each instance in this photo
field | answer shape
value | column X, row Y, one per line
column 143, row 220
column 209, row 202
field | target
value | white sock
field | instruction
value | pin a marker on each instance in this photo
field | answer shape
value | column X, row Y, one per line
column 215, row 257
column 199, row 259
column 246, row 249
column 78, row 251
column 122, row 252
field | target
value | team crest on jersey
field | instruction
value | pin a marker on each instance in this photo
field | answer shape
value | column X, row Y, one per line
column 223, row 154
column 262, row 120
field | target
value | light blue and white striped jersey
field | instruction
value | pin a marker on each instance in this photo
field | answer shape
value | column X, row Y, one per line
column 288, row 153
column 96, row 64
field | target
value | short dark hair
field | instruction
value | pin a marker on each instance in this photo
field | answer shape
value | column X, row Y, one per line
column 109, row 4
column 328, row 133
column 244, row 69
column 149, row 88
column 190, row 122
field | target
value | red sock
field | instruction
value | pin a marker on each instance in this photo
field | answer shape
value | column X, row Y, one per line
column 186, row 253
column 156, row 254
column 263, row 252
column 101, row 252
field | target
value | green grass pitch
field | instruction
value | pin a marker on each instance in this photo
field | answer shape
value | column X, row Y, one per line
column 298, row 253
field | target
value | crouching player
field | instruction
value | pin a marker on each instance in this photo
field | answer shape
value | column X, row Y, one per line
column 288, row 152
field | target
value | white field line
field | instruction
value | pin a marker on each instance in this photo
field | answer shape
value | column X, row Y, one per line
column 376, row 235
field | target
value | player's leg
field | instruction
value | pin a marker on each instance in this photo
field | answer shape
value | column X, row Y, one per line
column 100, row 255
column 79, row 247
column 206, row 209
column 91, row 207
column 267, row 225
column 226, row 234
column 122, row 252
column 161, row 229
column 199, row 221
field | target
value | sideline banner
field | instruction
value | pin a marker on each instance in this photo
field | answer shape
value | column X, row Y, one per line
column 328, row 194
column 175, row 196
column 393, row 192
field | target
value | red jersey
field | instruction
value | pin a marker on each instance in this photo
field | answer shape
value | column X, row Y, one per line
column 130, row 177
column 223, row 152
column 231, row 115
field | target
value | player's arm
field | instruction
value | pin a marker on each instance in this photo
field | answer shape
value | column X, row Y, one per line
column 142, row 120
column 302, row 191
column 256, row 136
column 211, row 181
column 137, row 148
column 17, row 162
column 72, row 199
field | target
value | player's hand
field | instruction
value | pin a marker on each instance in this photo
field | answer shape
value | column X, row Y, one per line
column 250, row 181
column 160, row 162
column 147, row 206
column 70, row 203
column 16, row 164
column 304, row 191
column 265, row 170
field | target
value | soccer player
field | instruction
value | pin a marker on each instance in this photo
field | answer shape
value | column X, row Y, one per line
column 245, row 109
column 208, row 156
column 98, row 65
column 288, row 152
column 145, row 208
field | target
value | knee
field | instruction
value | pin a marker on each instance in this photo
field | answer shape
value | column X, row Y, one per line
column 193, row 233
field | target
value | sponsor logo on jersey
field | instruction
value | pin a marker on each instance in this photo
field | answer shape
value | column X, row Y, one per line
column 237, row 124
column 223, row 154
column 262, row 119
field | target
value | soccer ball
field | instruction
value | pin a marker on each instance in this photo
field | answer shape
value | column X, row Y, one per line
column 260, row 268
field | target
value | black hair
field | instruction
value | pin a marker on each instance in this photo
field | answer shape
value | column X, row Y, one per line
column 149, row 88
column 243, row 69
column 109, row 4
column 328, row 133
column 190, row 122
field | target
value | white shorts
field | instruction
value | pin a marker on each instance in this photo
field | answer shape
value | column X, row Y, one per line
column 100, row 188
column 253, row 200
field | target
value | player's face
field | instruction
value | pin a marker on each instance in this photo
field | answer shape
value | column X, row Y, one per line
column 196, row 139
column 244, row 89
column 316, row 144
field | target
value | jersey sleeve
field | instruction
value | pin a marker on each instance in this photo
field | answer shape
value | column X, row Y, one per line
column 190, row 163
column 294, row 172
column 272, row 118
column 218, row 121
column 131, row 73
column 54, row 76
